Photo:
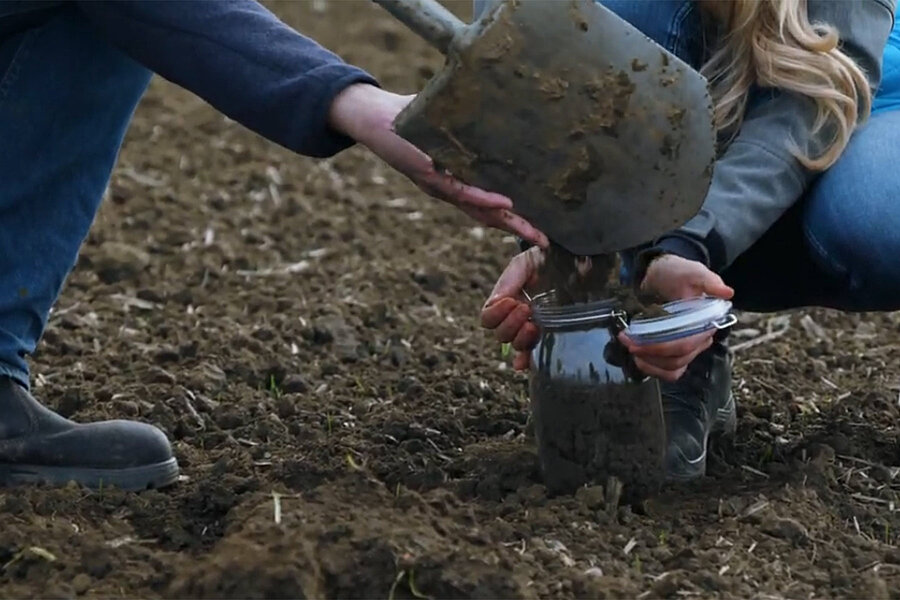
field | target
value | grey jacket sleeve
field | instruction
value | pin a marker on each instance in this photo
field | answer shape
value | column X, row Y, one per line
column 757, row 178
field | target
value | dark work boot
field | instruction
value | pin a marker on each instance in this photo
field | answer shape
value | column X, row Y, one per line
column 695, row 406
column 39, row 446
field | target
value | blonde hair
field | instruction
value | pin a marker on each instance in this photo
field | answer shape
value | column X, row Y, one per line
column 771, row 43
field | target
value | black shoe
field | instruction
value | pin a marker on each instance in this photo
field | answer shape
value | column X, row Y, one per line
column 696, row 406
column 39, row 446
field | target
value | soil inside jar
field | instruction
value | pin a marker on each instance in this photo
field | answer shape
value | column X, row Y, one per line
column 581, row 279
column 590, row 433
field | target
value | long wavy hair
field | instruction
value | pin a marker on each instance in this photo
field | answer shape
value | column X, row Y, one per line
column 771, row 43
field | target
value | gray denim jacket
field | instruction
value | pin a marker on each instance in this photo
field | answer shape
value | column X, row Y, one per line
column 756, row 178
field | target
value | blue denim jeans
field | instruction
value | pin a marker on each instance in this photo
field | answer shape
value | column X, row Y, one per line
column 66, row 98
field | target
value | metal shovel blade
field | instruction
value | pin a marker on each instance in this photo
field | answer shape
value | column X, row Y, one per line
column 603, row 139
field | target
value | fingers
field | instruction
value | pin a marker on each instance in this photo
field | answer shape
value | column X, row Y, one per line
column 526, row 338
column 496, row 312
column 521, row 361
column 653, row 371
column 714, row 286
column 447, row 187
column 507, row 221
column 513, row 323
column 671, row 349
column 668, row 360
column 521, row 269
column 674, row 363
column 516, row 225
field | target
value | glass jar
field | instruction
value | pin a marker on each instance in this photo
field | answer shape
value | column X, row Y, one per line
column 596, row 416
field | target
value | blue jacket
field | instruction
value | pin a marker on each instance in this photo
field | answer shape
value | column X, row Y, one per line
column 888, row 95
column 234, row 54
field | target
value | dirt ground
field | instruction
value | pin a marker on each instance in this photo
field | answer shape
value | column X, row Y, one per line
column 306, row 333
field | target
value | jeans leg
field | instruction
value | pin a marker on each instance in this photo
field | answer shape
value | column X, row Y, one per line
column 66, row 97
column 851, row 219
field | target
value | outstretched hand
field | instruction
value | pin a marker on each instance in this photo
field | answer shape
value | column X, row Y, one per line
column 366, row 113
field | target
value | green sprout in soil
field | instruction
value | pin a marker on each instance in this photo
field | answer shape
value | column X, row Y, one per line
column 412, row 587
column 663, row 536
column 353, row 464
column 410, row 583
column 273, row 387
column 506, row 350
column 767, row 456
column 397, row 579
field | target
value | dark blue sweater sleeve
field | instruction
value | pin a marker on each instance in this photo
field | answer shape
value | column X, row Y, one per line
column 241, row 59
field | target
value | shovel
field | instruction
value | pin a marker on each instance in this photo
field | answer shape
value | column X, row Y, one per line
column 603, row 139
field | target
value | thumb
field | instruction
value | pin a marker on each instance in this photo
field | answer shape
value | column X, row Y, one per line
column 714, row 286
column 516, row 275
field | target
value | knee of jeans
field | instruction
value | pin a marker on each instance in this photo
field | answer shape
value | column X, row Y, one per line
column 850, row 224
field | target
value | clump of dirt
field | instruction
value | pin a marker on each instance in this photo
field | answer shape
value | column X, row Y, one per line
column 583, row 279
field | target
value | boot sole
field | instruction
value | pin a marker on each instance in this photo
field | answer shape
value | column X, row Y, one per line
column 133, row 479
column 725, row 424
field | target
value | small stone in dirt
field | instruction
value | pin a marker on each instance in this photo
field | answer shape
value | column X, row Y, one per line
column 821, row 454
column 787, row 529
column 762, row 411
column 115, row 261
column 70, row 403
column 594, row 572
column 294, row 384
column 593, row 497
column 430, row 281
column 81, row 583
column 188, row 350
column 881, row 474
column 431, row 360
column 159, row 375
column 150, row 296
column 459, row 387
column 328, row 369
column 263, row 334
column 284, row 406
column 229, row 419
column 166, row 354
column 414, row 391
column 840, row 443
column 399, row 356
column 209, row 376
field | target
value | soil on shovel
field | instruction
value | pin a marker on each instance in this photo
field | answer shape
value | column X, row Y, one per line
column 345, row 428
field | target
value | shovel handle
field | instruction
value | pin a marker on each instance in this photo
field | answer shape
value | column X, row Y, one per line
column 428, row 18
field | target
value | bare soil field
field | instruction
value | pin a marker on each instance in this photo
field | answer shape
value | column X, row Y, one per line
column 307, row 335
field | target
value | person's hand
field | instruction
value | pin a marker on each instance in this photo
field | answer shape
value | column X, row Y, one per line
column 366, row 113
column 674, row 278
column 507, row 313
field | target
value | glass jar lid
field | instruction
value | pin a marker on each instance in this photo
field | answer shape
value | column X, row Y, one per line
column 686, row 318
column 549, row 314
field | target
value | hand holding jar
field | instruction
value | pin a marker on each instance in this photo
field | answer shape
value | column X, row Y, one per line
column 508, row 313
column 676, row 278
